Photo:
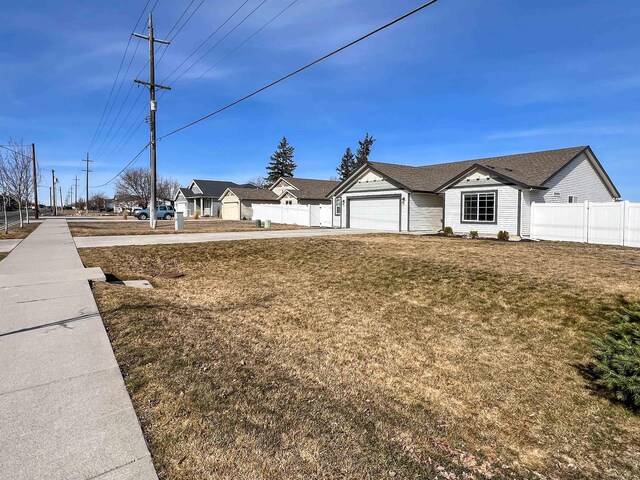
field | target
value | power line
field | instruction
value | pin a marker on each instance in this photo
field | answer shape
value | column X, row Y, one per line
column 108, row 141
column 243, row 43
column 206, row 40
column 221, row 40
column 301, row 69
column 125, row 167
column 115, row 80
column 280, row 80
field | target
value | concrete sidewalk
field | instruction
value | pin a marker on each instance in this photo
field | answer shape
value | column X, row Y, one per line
column 8, row 245
column 173, row 238
column 64, row 409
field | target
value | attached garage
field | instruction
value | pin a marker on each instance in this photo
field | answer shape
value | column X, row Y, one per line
column 231, row 210
column 375, row 212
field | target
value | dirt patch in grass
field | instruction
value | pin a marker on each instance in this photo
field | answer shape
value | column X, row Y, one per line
column 371, row 357
column 15, row 232
column 139, row 227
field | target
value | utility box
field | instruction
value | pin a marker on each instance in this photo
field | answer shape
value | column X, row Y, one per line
column 179, row 220
column 267, row 224
column 258, row 224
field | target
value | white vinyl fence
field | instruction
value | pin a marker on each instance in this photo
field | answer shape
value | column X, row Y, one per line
column 610, row 223
column 305, row 215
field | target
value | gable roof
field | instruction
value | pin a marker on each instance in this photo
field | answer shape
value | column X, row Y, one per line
column 244, row 193
column 531, row 170
column 212, row 188
column 309, row 188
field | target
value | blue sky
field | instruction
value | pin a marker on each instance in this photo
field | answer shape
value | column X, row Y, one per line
column 463, row 79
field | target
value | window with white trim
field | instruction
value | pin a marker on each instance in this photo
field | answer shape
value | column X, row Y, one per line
column 338, row 207
column 574, row 199
column 479, row 207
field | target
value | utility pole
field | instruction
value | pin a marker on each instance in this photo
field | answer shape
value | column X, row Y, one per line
column 53, row 186
column 153, row 107
column 50, row 201
column 35, row 179
column 61, row 202
column 76, row 199
column 86, row 200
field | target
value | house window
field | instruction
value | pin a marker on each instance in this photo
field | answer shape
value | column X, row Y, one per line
column 288, row 202
column 338, row 207
column 574, row 199
column 479, row 207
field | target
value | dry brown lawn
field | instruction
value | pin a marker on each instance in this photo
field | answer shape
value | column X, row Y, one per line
column 139, row 227
column 16, row 232
column 365, row 357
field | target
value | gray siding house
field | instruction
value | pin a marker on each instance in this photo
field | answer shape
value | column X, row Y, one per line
column 486, row 195
column 202, row 195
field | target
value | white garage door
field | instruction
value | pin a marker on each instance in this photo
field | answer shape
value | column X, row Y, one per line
column 381, row 213
column 231, row 211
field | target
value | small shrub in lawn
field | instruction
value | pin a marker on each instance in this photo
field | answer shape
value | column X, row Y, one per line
column 503, row 235
column 617, row 358
column 447, row 231
column 125, row 214
column 196, row 214
column 473, row 234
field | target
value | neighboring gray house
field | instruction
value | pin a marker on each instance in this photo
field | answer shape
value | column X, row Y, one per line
column 202, row 195
column 486, row 195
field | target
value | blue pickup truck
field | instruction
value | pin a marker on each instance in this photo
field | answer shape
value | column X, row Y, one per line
column 163, row 212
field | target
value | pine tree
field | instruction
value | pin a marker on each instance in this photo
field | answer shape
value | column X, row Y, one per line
column 347, row 164
column 364, row 149
column 617, row 358
column 281, row 164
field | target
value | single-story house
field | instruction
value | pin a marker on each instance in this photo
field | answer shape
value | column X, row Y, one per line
column 237, row 202
column 486, row 195
column 202, row 195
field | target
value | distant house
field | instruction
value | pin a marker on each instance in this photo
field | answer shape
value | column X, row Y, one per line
column 202, row 195
column 485, row 195
column 237, row 202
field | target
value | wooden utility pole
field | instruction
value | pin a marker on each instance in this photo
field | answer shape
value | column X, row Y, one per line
column 53, row 187
column 61, row 201
column 86, row 203
column 35, row 179
column 153, row 107
column 76, row 197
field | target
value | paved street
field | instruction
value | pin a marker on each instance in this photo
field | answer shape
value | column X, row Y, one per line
column 64, row 409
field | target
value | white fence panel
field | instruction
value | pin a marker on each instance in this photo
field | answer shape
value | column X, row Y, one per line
column 610, row 223
column 606, row 223
column 304, row 215
column 632, row 225
column 559, row 221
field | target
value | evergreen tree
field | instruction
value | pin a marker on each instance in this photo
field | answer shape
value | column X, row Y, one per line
column 281, row 164
column 347, row 164
column 364, row 149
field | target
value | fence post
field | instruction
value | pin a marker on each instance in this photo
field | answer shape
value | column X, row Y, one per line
column 587, row 224
column 625, row 222
column 532, row 233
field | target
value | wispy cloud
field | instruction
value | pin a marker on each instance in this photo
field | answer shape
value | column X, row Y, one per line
column 564, row 130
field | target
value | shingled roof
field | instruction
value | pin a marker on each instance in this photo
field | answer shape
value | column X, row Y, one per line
column 529, row 169
column 310, row 188
column 252, row 193
column 214, row 188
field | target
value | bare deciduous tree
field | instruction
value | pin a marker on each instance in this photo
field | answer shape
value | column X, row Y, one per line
column 98, row 201
column 259, row 182
column 134, row 186
column 16, row 174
